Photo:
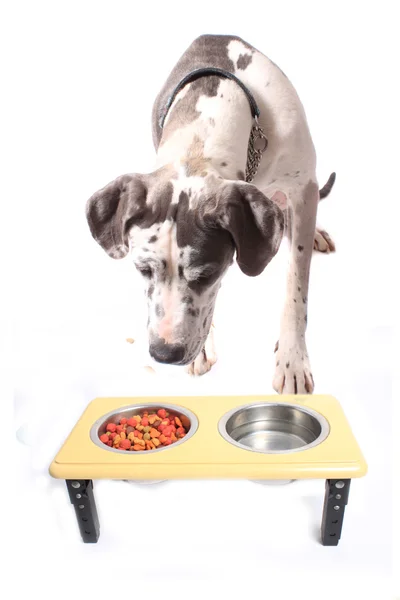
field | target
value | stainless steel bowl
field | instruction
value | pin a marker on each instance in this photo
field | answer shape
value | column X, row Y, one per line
column 189, row 421
column 274, row 428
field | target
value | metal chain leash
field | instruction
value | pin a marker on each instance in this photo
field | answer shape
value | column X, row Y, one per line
column 257, row 145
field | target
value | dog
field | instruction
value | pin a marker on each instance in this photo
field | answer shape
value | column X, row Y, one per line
column 184, row 223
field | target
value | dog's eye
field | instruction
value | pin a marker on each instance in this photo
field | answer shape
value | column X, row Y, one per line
column 203, row 278
column 145, row 271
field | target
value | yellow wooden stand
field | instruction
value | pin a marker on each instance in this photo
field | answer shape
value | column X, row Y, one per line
column 207, row 454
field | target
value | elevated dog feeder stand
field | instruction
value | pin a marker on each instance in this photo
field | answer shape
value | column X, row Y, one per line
column 230, row 437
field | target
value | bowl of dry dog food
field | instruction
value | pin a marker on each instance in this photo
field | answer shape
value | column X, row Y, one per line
column 144, row 428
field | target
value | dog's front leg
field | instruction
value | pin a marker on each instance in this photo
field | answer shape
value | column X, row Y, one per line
column 293, row 371
column 207, row 357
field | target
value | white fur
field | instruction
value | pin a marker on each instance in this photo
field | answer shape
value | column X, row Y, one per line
column 184, row 184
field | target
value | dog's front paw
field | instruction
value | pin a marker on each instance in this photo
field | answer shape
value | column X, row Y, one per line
column 293, row 371
column 207, row 357
column 201, row 365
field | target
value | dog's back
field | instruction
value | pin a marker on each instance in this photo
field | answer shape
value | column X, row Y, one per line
column 282, row 115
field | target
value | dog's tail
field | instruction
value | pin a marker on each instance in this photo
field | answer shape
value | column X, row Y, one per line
column 325, row 191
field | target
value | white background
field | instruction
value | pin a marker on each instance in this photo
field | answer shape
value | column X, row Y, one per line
column 80, row 79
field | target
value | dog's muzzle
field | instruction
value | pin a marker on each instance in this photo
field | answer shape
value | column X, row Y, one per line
column 171, row 354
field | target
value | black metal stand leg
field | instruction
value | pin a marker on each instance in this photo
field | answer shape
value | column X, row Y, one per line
column 81, row 495
column 336, row 498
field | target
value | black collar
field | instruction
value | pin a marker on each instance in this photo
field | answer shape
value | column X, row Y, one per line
column 201, row 73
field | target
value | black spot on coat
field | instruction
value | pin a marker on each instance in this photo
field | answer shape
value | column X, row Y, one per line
column 243, row 61
column 159, row 311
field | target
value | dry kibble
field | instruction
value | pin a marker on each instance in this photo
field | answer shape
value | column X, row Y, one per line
column 125, row 444
column 144, row 432
column 130, row 340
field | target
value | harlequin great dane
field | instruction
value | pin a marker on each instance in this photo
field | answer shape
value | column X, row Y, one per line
column 184, row 223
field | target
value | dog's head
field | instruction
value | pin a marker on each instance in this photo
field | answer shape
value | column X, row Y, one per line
column 182, row 236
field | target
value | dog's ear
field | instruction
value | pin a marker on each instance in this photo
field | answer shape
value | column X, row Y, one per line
column 112, row 211
column 255, row 224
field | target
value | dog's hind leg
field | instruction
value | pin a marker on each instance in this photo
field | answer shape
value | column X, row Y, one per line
column 207, row 357
column 323, row 241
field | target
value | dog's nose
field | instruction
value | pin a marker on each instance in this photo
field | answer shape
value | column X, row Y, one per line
column 171, row 354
